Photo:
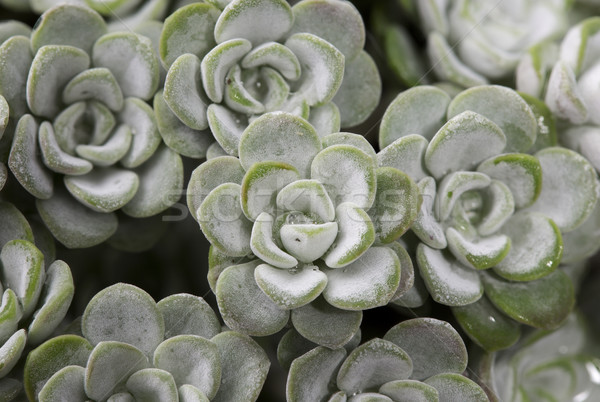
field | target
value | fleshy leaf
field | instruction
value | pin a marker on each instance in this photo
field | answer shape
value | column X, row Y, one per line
column 103, row 190
column 216, row 64
column 546, row 122
column 480, row 253
column 178, row 136
column 486, row 325
column 55, row 300
column 10, row 28
column 322, row 68
column 73, row 224
column 275, row 55
column 356, row 140
column 23, row 272
column 396, row 204
column 563, row 95
column 188, row 30
column 371, row 365
column 236, row 290
column 347, row 173
column 308, row 242
column 189, row 393
column 280, row 137
column 50, row 357
column 368, row 282
column 152, row 385
column 161, row 183
column 244, row 367
column 312, row 375
column 222, row 220
column 406, row 154
column 25, row 161
column 260, row 186
column 308, row 197
column 227, row 127
column 290, row 289
column 52, row 68
column 426, row 226
column 463, row 142
column 420, row 110
column 69, row 131
column 55, row 158
column 10, row 314
column 191, row 360
column 416, row 296
column 11, row 351
column 360, row 91
column 208, row 176
column 15, row 62
column 570, row 188
column 543, row 303
column 239, row 19
column 138, row 73
column 452, row 385
column 14, row 224
column 536, row 247
column 409, row 390
column 95, row 83
column 433, row 345
column 326, row 325
column 407, row 273
column 453, row 186
column 263, row 244
column 356, row 235
column 186, row 101
column 124, row 313
column 139, row 116
column 447, row 280
column 291, row 346
column 185, row 314
column 66, row 385
column 504, row 107
column 109, row 367
column 584, row 241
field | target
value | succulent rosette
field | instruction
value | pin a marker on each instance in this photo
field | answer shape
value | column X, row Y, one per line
column 36, row 293
column 560, row 365
column 417, row 360
column 302, row 224
column 567, row 77
column 472, row 43
column 493, row 216
column 223, row 72
column 84, row 141
column 132, row 348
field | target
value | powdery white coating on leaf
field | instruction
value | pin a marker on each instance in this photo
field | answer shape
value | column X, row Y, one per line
column 11, row 313
column 448, row 281
column 308, row 242
column 109, row 366
column 14, row 224
column 191, row 360
column 373, row 364
column 281, row 137
column 343, row 138
column 65, row 384
column 189, row 393
column 186, row 314
column 290, row 289
column 139, row 116
column 455, row 387
column 325, row 119
column 481, row 253
column 161, row 183
column 152, row 385
column 426, row 226
column 308, row 197
column 322, row 68
column 263, row 244
column 536, row 247
column 241, row 17
column 124, row 313
column 368, row 282
column 326, row 325
column 103, row 190
column 15, row 62
column 236, row 290
column 11, row 351
column 111, row 151
column 216, row 64
column 409, row 390
column 244, row 367
column 406, row 154
column 223, row 222
column 227, row 127
column 275, row 55
column 570, row 188
column 463, row 142
column 312, row 375
column 94, row 83
column 131, row 58
column 55, row 158
column 453, row 186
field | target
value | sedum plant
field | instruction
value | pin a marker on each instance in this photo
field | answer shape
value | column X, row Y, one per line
column 134, row 349
column 36, row 293
column 85, row 143
column 493, row 216
column 421, row 359
column 223, row 72
column 302, row 224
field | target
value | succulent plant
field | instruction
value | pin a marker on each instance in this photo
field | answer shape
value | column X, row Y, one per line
column 560, row 365
column 36, row 293
column 77, row 105
column 224, row 72
column 133, row 348
column 296, row 217
column 421, row 359
column 567, row 78
column 472, row 43
column 493, row 216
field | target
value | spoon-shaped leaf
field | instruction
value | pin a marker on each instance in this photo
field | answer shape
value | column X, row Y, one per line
column 290, row 289
column 409, row 390
column 95, row 83
column 482, row 253
column 65, row 385
column 405, row 154
column 275, row 55
column 14, row 65
column 308, row 242
column 426, row 226
column 11, row 351
column 55, row 158
column 263, row 244
column 185, row 314
column 357, row 140
column 453, row 186
column 152, row 385
column 216, row 64
column 452, row 386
